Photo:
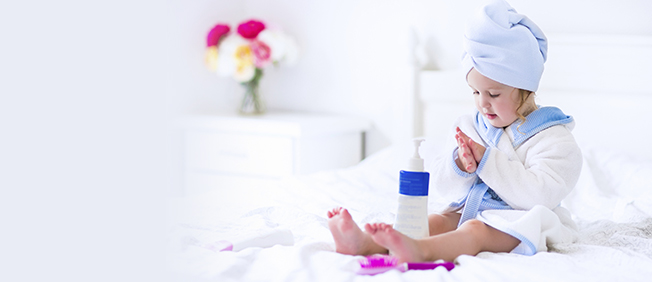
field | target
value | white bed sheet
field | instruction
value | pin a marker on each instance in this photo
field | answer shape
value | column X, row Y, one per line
column 611, row 205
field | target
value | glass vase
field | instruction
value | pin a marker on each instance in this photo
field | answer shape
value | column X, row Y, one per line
column 252, row 102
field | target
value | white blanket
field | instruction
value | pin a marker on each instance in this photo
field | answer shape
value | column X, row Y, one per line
column 610, row 205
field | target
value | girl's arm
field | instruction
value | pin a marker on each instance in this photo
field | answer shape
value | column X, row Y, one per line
column 551, row 168
column 446, row 178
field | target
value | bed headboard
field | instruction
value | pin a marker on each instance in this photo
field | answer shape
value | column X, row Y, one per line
column 601, row 80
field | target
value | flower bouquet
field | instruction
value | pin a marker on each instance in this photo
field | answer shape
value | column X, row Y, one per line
column 244, row 55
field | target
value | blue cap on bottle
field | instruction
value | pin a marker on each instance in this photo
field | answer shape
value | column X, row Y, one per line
column 414, row 183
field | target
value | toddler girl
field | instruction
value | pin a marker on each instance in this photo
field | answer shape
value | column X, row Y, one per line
column 512, row 165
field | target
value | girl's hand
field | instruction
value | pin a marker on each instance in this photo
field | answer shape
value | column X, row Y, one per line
column 469, row 153
column 465, row 160
column 477, row 149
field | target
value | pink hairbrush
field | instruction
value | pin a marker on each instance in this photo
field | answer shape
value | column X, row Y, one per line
column 376, row 264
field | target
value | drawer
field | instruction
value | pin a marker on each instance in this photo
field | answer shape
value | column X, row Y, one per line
column 242, row 154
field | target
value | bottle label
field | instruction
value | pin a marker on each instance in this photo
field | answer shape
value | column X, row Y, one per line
column 413, row 183
column 412, row 216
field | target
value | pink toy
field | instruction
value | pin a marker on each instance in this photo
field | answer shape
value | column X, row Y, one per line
column 376, row 264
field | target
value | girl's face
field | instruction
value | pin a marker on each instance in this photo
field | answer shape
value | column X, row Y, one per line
column 496, row 101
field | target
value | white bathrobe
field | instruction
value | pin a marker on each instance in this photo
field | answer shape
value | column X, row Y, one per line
column 530, row 170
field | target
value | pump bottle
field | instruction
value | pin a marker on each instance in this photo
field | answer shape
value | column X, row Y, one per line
column 412, row 215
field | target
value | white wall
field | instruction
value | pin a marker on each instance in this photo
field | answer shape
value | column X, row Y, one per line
column 554, row 16
column 356, row 54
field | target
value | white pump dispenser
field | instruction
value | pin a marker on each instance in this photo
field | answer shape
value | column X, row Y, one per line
column 412, row 215
column 416, row 162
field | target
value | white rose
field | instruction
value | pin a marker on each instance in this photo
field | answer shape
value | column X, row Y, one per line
column 227, row 63
column 276, row 42
column 283, row 48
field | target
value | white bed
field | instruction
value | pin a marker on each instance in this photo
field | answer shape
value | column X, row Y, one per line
column 600, row 80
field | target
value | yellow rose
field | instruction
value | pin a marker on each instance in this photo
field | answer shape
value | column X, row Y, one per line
column 211, row 58
column 245, row 68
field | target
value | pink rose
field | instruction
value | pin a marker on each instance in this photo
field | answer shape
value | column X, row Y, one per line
column 262, row 53
column 216, row 34
column 250, row 29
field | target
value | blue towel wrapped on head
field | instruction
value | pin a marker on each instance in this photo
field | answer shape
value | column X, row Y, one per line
column 505, row 46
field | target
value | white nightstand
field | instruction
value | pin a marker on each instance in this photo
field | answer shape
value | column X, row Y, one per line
column 223, row 151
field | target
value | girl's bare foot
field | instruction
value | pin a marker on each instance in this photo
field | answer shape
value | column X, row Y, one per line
column 349, row 238
column 403, row 247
